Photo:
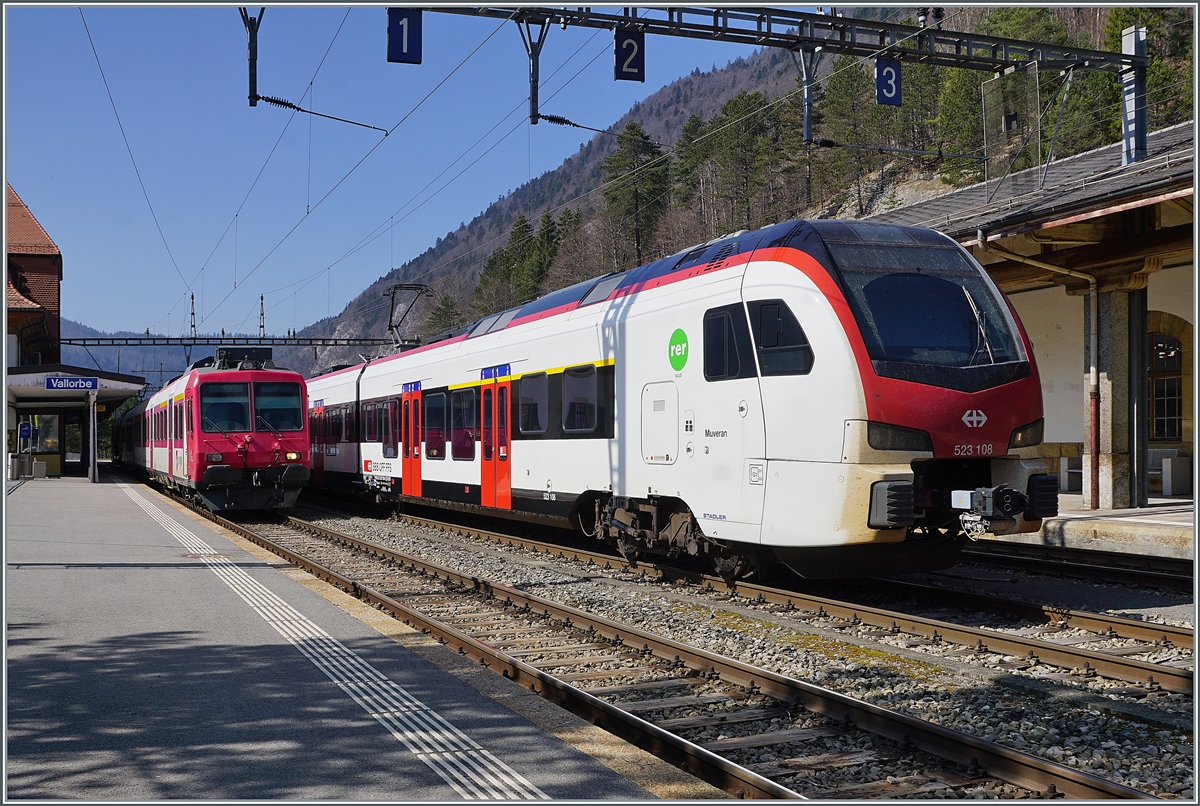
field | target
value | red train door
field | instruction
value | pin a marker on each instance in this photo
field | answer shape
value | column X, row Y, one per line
column 410, row 433
column 496, row 489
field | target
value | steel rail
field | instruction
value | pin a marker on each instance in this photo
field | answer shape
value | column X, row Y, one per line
column 1114, row 626
column 1045, row 778
column 691, row 758
column 984, row 640
column 1103, row 565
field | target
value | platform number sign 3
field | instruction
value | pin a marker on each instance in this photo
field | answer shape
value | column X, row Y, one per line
column 629, row 56
column 404, row 35
column 887, row 82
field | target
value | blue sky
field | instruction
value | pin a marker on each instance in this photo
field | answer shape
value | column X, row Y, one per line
column 178, row 78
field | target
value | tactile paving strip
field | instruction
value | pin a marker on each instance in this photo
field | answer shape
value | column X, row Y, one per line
column 472, row 771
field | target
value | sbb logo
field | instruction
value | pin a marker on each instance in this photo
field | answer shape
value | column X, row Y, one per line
column 366, row 465
column 974, row 418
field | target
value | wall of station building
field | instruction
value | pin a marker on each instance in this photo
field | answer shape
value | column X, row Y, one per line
column 1055, row 324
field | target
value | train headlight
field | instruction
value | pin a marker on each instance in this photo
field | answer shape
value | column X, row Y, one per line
column 883, row 437
column 214, row 457
column 1027, row 435
column 292, row 456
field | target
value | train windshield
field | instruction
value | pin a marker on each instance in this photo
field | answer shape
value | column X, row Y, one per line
column 277, row 406
column 224, row 407
column 924, row 304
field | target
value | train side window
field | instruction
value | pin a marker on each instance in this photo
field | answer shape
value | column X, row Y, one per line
column 502, row 423
column 191, row 417
column 727, row 350
column 389, row 431
column 579, row 396
column 535, row 399
column 463, row 430
column 435, row 426
column 416, row 428
column 783, row 348
column 487, row 423
column 372, row 434
column 405, row 433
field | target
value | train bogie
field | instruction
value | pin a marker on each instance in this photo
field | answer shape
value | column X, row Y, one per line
column 845, row 397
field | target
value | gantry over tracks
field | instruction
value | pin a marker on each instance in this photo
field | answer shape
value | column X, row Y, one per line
column 1042, row 777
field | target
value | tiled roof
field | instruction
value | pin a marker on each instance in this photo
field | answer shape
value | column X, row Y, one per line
column 18, row 301
column 25, row 234
column 1088, row 181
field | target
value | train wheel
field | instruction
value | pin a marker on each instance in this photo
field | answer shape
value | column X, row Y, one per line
column 733, row 566
column 630, row 549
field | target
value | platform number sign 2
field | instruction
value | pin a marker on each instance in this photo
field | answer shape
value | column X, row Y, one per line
column 404, row 35
column 629, row 54
column 887, row 82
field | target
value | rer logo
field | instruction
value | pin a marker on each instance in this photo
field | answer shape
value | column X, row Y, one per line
column 974, row 418
column 677, row 350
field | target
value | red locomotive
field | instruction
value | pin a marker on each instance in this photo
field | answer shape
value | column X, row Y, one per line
column 231, row 431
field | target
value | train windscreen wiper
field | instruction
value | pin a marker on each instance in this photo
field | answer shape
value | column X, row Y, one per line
column 982, row 330
column 270, row 427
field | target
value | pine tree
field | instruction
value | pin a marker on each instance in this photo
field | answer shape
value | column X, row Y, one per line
column 636, row 196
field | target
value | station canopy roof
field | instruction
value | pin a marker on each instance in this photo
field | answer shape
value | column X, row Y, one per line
column 27, row 388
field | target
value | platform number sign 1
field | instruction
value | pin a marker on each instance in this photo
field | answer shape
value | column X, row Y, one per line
column 887, row 82
column 404, row 35
column 629, row 55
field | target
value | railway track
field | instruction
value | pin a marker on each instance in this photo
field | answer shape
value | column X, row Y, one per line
column 1105, row 566
column 1058, row 647
column 669, row 697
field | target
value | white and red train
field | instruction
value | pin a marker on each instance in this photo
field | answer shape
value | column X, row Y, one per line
column 231, row 432
column 843, row 396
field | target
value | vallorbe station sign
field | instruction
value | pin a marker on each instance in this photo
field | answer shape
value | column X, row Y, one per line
column 73, row 384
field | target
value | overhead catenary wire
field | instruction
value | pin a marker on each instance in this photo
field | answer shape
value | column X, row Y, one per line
column 129, row 149
column 627, row 177
column 263, row 168
column 363, row 159
column 378, row 231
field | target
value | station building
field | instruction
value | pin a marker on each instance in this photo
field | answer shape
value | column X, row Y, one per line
column 59, row 404
column 1051, row 237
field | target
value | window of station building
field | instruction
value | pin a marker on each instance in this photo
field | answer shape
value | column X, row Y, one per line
column 463, row 424
column 45, row 433
column 535, row 398
column 1166, row 388
column 727, row 350
column 579, row 396
column 782, row 346
column 224, row 407
column 435, row 426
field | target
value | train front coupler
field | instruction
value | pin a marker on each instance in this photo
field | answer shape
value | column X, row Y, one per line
column 1002, row 510
column 981, row 509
